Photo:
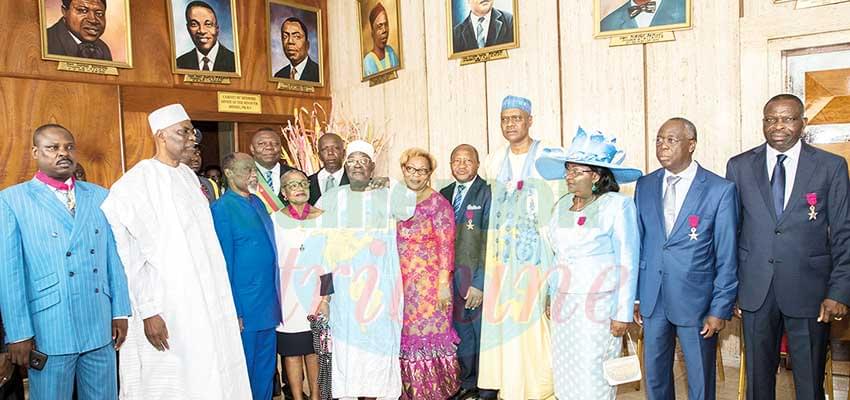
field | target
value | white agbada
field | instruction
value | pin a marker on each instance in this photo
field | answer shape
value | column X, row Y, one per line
column 175, row 268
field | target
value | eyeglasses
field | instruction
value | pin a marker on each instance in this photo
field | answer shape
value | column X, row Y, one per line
column 462, row 161
column 416, row 171
column 784, row 120
column 357, row 162
column 297, row 184
column 191, row 134
column 577, row 171
column 670, row 140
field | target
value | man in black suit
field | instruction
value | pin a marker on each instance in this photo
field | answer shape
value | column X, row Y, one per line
column 470, row 198
column 296, row 44
column 484, row 27
column 793, row 250
column 78, row 32
column 332, row 174
column 266, row 150
column 208, row 54
column 11, row 383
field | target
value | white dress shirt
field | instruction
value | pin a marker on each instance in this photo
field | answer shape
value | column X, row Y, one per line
column 212, row 55
column 466, row 187
column 486, row 24
column 275, row 176
column 683, row 186
column 299, row 69
column 644, row 20
column 790, row 164
column 324, row 175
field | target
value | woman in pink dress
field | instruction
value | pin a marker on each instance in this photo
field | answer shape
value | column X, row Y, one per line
column 429, row 366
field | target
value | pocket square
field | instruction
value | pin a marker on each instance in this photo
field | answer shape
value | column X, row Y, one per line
column 473, row 207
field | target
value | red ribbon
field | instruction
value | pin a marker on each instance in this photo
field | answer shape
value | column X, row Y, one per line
column 812, row 198
column 469, row 214
column 693, row 220
column 582, row 220
column 55, row 183
column 519, row 185
column 295, row 214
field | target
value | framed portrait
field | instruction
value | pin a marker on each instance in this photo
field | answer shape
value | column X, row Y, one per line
column 380, row 38
column 295, row 43
column 620, row 17
column 481, row 26
column 204, row 40
column 86, row 31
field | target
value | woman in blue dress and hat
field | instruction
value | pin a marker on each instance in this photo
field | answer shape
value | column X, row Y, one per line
column 594, row 234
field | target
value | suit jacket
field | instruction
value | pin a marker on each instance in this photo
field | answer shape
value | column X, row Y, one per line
column 470, row 244
column 61, row 280
column 500, row 31
column 695, row 278
column 246, row 235
column 806, row 260
column 60, row 42
column 315, row 187
column 2, row 336
column 310, row 73
column 668, row 13
column 225, row 60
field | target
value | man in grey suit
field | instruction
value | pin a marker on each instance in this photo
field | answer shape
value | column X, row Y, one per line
column 470, row 198
column 484, row 27
column 78, row 32
column 209, row 54
column 793, row 250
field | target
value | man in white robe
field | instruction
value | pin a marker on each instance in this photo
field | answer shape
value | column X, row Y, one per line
column 183, row 339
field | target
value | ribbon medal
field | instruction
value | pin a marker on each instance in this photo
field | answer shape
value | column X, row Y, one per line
column 693, row 221
column 812, row 199
column 582, row 220
column 469, row 225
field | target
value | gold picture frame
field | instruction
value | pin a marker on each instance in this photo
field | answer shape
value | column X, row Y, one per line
column 58, row 38
column 611, row 18
column 369, row 70
column 502, row 31
column 278, row 62
column 227, row 63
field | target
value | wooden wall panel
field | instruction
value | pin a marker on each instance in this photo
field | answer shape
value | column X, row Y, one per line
column 90, row 112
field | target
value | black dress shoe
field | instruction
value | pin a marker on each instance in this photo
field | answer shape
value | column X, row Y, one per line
column 464, row 394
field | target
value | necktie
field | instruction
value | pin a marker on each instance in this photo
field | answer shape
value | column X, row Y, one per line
column 329, row 183
column 479, row 32
column 777, row 185
column 70, row 202
column 268, row 177
column 206, row 66
column 458, row 199
column 641, row 6
column 292, row 72
column 89, row 50
column 670, row 203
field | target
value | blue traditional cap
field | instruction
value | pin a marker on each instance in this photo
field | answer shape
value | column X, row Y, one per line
column 594, row 149
column 516, row 102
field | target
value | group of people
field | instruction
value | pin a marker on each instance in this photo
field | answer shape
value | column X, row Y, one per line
column 515, row 283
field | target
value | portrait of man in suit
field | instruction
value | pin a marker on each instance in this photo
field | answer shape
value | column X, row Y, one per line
column 618, row 17
column 482, row 25
column 207, row 24
column 295, row 37
column 78, row 29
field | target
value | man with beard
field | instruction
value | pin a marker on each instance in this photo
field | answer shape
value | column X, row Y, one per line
column 331, row 151
column 183, row 338
column 382, row 57
column 208, row 54
column 296, row 44
column 78, row 32
column 484, row 27
column 63, row 290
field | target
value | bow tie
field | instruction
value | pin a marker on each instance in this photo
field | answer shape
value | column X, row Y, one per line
column 648, row 7
column 89, row 50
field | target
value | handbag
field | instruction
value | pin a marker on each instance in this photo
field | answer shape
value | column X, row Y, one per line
column 626, row 369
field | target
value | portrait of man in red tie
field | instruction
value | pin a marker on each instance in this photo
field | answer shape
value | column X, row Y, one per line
column 615, row 17
column 86, row 31
column 296, row 44
column 204, row 35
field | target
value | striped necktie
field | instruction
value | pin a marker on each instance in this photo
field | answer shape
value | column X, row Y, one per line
column 458, row 199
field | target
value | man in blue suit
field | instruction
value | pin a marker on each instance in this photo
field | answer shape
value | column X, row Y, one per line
column 635, row 14
column 687, row 218
column 794, row 250
column 470, row 198
column 244, row 230
column 62, row 286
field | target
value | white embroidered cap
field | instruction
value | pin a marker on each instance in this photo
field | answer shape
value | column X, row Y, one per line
column 360, row 146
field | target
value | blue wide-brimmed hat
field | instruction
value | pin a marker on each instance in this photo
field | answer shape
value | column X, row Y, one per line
column 594, row 149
